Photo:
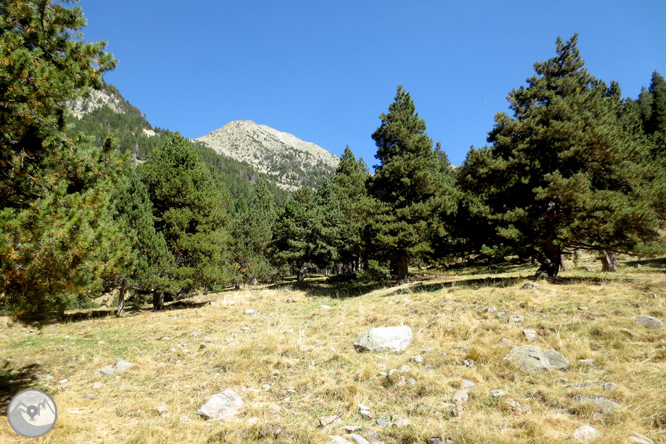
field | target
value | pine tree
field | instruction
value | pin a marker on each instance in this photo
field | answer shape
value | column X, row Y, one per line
column 252, row 233
column 411, row 192
column 349, row 182
column 307, row 231
column 56, row 240
column 191, row 209
column 563, row 172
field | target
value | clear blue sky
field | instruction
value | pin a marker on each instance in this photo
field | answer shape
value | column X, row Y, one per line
column 325, row 70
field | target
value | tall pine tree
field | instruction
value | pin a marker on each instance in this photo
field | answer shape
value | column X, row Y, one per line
column 411, row 192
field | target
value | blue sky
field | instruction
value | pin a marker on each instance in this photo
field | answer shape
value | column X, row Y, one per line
column 325, row 70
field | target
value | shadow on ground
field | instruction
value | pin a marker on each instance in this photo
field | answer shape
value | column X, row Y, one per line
column 13, row 381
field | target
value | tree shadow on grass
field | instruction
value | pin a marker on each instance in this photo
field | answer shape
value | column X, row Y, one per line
column 653, row 263
column 13, row 380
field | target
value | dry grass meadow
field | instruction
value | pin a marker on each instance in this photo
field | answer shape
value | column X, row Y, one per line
column 294, row 362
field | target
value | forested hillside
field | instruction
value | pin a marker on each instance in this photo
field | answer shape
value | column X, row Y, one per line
column 575, row 167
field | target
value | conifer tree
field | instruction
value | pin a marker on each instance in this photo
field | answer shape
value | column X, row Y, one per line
column 56, row 240
column 252, row 233
column 411, row 193
column 349, row 183
column 191, row 210
column 564, row 172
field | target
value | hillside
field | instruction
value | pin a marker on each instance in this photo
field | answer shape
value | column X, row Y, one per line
column 107, row 112
column 286, row 159
column 289, row 355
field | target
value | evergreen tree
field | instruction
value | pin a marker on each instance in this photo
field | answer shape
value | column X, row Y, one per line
column 148, row 263
column 252, row 233
column 349, row 184
column 56, row 240
column 307, row 231
column 191, row 211
column 412, row 194
column 564, row 172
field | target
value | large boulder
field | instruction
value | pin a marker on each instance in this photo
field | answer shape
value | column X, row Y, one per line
column 222, row 406
column 384, row 338
column 531, row 359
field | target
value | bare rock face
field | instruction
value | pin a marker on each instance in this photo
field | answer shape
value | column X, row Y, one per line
column 272, row 152
column 395, row 339
column 222, row 406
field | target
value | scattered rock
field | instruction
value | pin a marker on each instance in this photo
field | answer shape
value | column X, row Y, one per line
column 384, row 338
column 333, row 421
column 515, row 319
column 325, row 307
column 358, row 439
column 275, row 409
column 501, row 314
column 250, row 312
column 637, row 438
column 605, row 404
column 417, row 358
column 404, row 422
column 587, row 434
column 120, row 366
column 364, row 411
column 461, row 396
column 45, row 377
column 497, row 393
column 649, row 322
column 608, row 386
column 589, row 362
column 335, row 439
column 532, row 359
column 382, row 422
column 469, row 363
column 89, row 397
column 435, row 440
column 411, row 381
column 467, row 384
column 530, row 335
column 352, row 429
column 97, row 385
column 273, row 430
column 582, row 308
column 529, row 286
column 489, row 311
column 222, row 406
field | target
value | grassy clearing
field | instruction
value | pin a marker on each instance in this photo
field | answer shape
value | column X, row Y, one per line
column 294, row 362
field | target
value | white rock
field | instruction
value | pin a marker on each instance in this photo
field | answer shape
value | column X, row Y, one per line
column 364, row 411
column 637, row 438
column 496, row 393
column 587, row 434
column 467, row 384
column 530, row 334
column 417, row 358
column 515, row 319
column 222, row 406
column 461, row 396
column 395, row 339
column 358, row 439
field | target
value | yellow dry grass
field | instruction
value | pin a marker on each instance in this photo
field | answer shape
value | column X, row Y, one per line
column 294, row 362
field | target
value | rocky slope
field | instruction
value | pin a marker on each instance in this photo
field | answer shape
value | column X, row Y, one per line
column 287, row 160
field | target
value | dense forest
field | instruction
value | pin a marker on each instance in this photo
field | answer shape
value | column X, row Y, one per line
column 93, row 204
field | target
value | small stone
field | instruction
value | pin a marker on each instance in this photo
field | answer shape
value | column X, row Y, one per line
column 491, row 310
column 89, row 397
column 501, row 314
column 637, row 438
column 587, row 434
column 352, row 429
column 529, row 286
column 582, row 308
column 107, row 370
column 275, row 409
column 382, row 422
column 605, row 404
column 325, row 307
column 497, row 393
column 530, row 334
column 222, row 406
column 364, row 411
column 63, row 381
column 266, row 387
column 467, row 384
column 46, row 377
column 411, row 381
column 402, row 422
column 358, row 439
column 404, row 369
column 469, row 363
column 461, row 396
column 417, row 358
column 589, row 362
column 435, row 440
column 250, row 312
column 97, row 385
column 557, row 360
column 425, row 351
column 326, row 421
column 394, row 339
column 649, row 322
column 515, row 319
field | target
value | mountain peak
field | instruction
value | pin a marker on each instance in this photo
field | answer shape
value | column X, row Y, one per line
column 288, row 160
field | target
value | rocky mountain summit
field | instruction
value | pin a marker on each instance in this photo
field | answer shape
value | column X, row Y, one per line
column 289, row 161
column 97, row 99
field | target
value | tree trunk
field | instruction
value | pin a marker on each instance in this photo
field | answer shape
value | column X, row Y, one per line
column 158, row 300
column 121, row 299
column 550, row 262
column 300, row 283
column 563, row 266
column 609, row 261
column 402, row 271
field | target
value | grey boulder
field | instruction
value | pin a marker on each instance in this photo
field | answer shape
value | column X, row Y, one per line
column 649, row 322
column 222, row 406
column 531, row 359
